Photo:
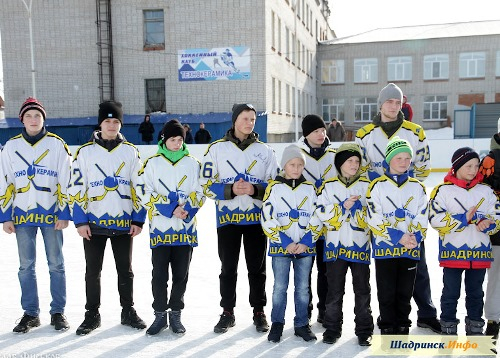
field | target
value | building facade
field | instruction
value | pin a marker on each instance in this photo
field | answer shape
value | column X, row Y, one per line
column 440, row 68
column 180, row 57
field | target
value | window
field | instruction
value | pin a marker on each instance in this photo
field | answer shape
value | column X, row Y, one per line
column 365, row 70
column 287, row 43
column 154, row 33
column 436, row 67
column 287, row 98
column 332, row 71
column 333, row 108
column 273, row 86
column 497, row 72
column 435, row 107
column 273, row 29
column 279, row 35
column 365, row 109
column 155, row 95
column 472, row 64
column 399, row 68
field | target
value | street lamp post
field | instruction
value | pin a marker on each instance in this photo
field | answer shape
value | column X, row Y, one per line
column 33, row 84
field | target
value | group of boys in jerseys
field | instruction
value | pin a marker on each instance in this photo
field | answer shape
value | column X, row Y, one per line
column 336, row 207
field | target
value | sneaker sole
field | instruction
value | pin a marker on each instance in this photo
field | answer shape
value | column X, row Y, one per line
column 223, row 330
column 28, row 328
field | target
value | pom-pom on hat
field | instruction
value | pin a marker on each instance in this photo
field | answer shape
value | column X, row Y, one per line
column 310, row 123
column 344, row 152
column 395, row 146
column 110, row 109
column 462, row 156
column 292, row 152
column 240, row 107
column 388, row 92
column 31, row 103
column 172, row 128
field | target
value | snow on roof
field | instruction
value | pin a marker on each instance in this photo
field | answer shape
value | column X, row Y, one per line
column 458, row 29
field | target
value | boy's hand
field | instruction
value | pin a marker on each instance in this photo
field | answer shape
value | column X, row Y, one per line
column 291, row 248
column 84, row 231
column 470, row 213
column 61, row 224
column 484, row 224
column 242, row 187
column 135, row 230
column 180, row 213
column 9, row 227
column 301, row 248
column 409, row 241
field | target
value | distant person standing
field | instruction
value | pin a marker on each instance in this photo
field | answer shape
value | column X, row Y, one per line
column 406, row 109
column 336, row 131
column 202, row 136
column 147, row 129
column 189, row 134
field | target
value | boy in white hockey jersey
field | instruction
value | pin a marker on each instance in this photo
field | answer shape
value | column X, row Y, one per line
column 319, row 154
column 234, row 173
column 287, row 211
column 397, row 218
column 465, row 212
column 341, row 207
column 168, row 187
column 104, row 205
column 36, row 167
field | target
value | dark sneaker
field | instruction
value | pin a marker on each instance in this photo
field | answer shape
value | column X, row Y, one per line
column 92, row 321
column 365, row 340
column 260, row 322
column 159, row 324
column 387, row 331
column 403, row 331
column 26, row 323
column 305, row 332
column 275, row 333
column 330, row 336
column 226, row 321
column 130, row 318
column 432, row 323
column 492, row 329
column 175, row 322
column 58, row 320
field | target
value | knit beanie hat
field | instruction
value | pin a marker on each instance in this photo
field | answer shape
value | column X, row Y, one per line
column 31, row 103
column 240, row 107
column 462, row 156
column 388, row 92
column 344, row 152
column 172, row 128
column 291, row 152
column 110, row 109
column 395, row 146
column 310, row 123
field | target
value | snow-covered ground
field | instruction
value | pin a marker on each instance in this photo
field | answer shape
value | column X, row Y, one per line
column 200, row 315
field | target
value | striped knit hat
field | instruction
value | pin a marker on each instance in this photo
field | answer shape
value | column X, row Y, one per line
column 395, row 146
column 31, row 103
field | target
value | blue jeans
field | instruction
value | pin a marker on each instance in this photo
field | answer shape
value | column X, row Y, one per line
column 26, row 246
column 281, row 269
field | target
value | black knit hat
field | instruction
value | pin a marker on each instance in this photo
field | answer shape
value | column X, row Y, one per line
column 110, row 109
column 172, row 128
column 240, row 107
column 462, row 156
column 344, row 152
column 310, row 123
column 31, row 103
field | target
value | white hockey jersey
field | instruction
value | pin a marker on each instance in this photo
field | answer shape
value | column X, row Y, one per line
column 373, row 141
column 394, row 210
column 162, row 186
column 225, row 163
column 287, row 215
column 101, row 190
column 34, row 181
column 318, row 170
column 347, row 235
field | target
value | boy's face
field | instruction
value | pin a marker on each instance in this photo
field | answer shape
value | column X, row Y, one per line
column 317, row 137
column 294, row 168
column 33, row 122
column 468, row 171
column 350, row 167
column 400, row 163
column 245, row 122
column 110, row 127
column 174, row 143
column 390, row 109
